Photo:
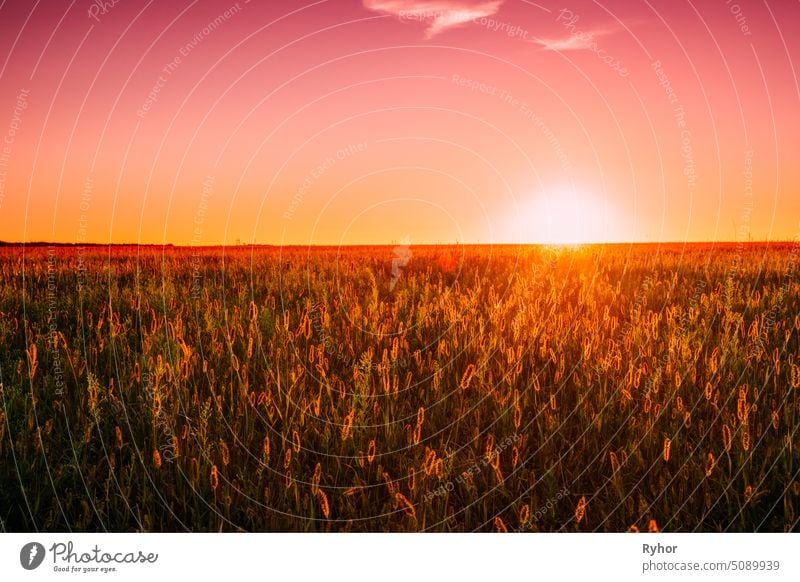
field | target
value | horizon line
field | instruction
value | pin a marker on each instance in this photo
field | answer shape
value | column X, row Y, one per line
column 4, row 243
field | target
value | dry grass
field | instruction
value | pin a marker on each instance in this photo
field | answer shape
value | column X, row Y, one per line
column 295, row 391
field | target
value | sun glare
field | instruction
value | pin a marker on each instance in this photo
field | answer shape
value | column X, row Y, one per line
column 563, row 217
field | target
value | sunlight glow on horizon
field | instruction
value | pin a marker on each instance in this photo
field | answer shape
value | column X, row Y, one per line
column 365, row 122
column 564, row 216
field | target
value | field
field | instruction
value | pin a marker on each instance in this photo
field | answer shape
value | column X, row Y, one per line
column 452, row 388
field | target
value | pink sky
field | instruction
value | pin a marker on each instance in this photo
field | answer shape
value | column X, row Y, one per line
column 349, row 122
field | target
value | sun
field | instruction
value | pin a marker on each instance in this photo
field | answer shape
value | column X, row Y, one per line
column 562, row 216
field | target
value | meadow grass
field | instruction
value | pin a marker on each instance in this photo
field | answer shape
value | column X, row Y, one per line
column 500, row 389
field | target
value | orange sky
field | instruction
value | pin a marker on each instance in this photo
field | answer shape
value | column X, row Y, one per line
column 352, row 122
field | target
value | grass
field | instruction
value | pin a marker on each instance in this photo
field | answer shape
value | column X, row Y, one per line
column 460, row 389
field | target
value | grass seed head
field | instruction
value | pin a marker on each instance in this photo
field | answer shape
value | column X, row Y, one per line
column 580, row 509
column 405, row 505
column 466, row 379
column 324, row 506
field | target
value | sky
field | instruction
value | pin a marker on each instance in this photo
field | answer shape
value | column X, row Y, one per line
column 337, row 122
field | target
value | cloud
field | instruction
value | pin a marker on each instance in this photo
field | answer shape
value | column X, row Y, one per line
column 439, row 15
column 577, row 41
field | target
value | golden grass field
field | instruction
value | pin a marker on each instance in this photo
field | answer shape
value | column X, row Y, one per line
column 600, row 388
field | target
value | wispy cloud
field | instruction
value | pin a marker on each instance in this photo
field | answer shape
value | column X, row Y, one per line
column 438, row 15
column 582, row 40
column 577, row 41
